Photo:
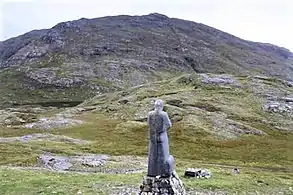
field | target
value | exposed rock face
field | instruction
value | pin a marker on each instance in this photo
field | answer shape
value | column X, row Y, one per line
column 163, row 186
column 79, row 59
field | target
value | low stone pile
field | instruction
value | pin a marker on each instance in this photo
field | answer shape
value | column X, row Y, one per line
column 198, row 173
column 162, row 185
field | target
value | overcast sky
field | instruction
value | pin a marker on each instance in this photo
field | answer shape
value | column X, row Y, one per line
column 269, row 21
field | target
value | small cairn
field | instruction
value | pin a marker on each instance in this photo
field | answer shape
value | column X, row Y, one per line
column 171, row 185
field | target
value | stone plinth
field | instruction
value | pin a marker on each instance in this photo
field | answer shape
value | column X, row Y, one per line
column 171, row 185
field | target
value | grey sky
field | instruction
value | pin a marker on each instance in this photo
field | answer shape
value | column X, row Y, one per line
column 268, row 21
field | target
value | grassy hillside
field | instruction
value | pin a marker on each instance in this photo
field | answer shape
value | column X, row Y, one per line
column 219, row 122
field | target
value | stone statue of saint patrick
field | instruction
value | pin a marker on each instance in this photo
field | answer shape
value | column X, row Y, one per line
column 160, row 162
column 161, row 177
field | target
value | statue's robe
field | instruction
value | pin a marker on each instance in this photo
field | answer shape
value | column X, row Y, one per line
column 160, row 162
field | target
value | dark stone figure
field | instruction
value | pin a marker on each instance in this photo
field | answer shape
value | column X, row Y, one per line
column 160, row 163
column 161, row 177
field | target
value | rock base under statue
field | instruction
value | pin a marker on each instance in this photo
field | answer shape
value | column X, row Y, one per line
column 162, row 185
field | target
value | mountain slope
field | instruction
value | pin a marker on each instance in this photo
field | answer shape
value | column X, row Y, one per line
column 220, row 105
column 79, row 59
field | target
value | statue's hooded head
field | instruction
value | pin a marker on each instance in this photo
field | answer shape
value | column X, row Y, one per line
column 159, row 105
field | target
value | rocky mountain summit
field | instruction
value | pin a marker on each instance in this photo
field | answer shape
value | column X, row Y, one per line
column 78, row 59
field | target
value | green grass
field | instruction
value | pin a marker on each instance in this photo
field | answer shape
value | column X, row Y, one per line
column 270, row 155
column 17, row 181
column 247, row 181
column 271, row 150
column 27, row 182
column 112, row 130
